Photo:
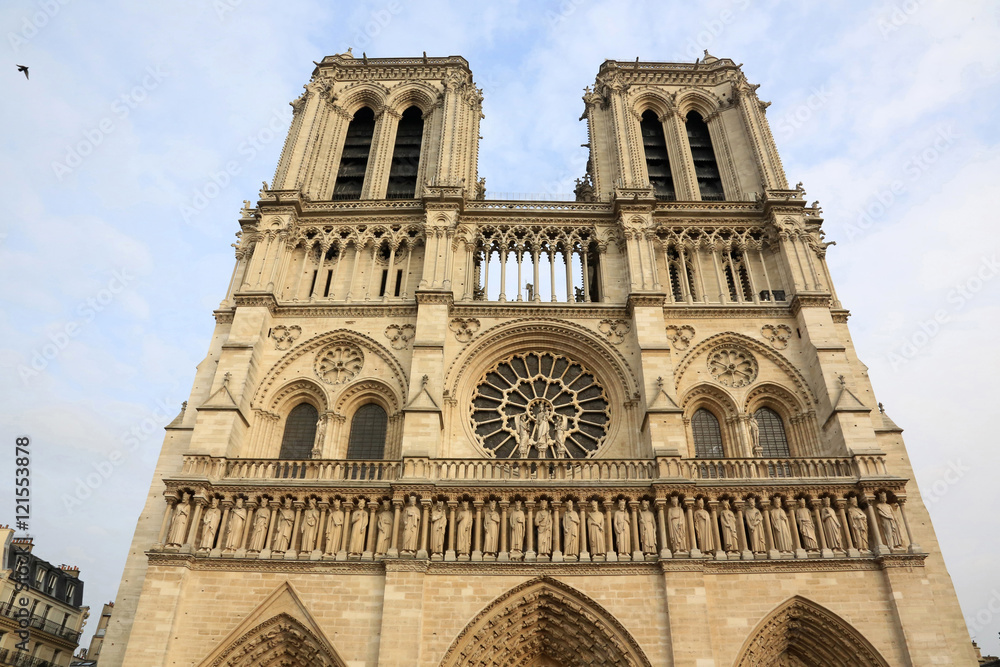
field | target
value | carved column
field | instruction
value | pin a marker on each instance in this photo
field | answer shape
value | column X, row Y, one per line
column 529, row 527
column 637, row 553
column 765, row 508
column 369, row 552
column 397, row 508
column 581, row 510
column 425, row 505
column 271, row 522
column 449, row 554
column 294, row 543
column 689, row 520
column 611, row 552
column 793, row 524
column 845, row 529
column 220, row 535
column 913, row 547
column 741, row 532
column 503, row 555
column 661, row 528
column 345, row 538
column 557, row 555
column 874, row 529
column 167, row 516
column 824, row 550
column 477, row 531
column 713, row 510
column 191, row 538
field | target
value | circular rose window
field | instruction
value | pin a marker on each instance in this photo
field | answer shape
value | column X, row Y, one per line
column 539, row 405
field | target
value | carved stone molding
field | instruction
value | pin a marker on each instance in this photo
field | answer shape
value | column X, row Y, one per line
column 732, row 366
column 284, row 336
column 614, row 330
column 777, row 335
column 680, row 336
column 464, row 328
column 400, row 335
column 339, row 363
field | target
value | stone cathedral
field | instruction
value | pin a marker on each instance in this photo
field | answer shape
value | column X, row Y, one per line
column 435, row 428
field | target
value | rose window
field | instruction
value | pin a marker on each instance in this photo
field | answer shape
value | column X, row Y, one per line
column 540, row 405
column 732, row 367
column 339, row 363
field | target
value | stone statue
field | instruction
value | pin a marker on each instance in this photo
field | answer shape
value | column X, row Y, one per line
column 517, row 521
column 807, row 528
column 623, row 528
column 703, row 527
column 481, row 188
column 755, row 524
column 317, row 450
column 755, row 436
column 179, row 526
column 334, row 528
column 522, row 435
column 491, row 528
column 571, row 530
column 595, row 530
column 831, row 525
column 647, row 528
column 859, row 523
column 730, row 541
column 359, row 529
column 780, row 528
column 542, row 427
column 210, row 525
column 464, row 529
column 411, row 526
column 283, row 529
column 559, row 436
column 310, row 527
column 887, row 522
column 384, row 524
column 543, row 521
column 439, row 521
column 675, row 521
column 237, row 520
column 258, row 536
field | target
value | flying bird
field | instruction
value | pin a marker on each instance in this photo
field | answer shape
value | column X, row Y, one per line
column 23, row 68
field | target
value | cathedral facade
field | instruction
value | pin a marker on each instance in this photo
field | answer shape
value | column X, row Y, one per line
column 436, row 428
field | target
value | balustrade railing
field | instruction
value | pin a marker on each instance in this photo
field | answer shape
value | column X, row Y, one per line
column 419, row 468
column 39, row 623
column 20, row 659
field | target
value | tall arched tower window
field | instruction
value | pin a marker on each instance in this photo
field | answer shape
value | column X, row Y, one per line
column 705, row 167
column 406, row 155
column 300, row 432
column 368, row 433
column 354, row 157
column 707, row 435
column 772, row 433
column 657, row 162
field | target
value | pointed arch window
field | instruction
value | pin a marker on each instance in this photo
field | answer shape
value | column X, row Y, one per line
column 300, row 432
column 707, row 435
column 406, row 155
column 368, row 429
column 354, row 157
column 705, row 167
column 772, row 434
column 657, row 162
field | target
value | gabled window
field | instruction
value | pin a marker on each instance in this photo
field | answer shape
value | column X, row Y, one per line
column 705, row 167
column 707, row 435
column 772, row 434
column 368, row 428
column 354, row 157
column 657, row 163
column 406, row 156
column 300, row 432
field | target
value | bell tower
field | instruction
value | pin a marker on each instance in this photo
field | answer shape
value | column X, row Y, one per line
column 437, row 428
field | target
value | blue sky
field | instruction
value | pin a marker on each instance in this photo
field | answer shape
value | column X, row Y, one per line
column 144, row 126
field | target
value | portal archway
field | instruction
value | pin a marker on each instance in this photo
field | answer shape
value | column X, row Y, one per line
column 544, row 623
column 801, row 633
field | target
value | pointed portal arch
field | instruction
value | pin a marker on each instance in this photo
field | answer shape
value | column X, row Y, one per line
column 279, row 632
column 544, row 622
column 801, row 633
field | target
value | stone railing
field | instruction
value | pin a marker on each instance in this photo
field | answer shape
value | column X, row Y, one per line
column 665, row 468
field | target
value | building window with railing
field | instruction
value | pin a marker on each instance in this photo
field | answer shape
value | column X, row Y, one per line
column 773, row 442
column 707, row 435
column 368, row 430
column 300, row 432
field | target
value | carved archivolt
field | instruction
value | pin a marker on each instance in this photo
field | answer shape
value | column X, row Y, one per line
column 296, row 389
column 539, row 404
column 544, row 618
column 277, row 642
column 732, row 366
column 339, row 363
column 801, row 632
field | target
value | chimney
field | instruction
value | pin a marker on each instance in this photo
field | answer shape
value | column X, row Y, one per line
column 25, row 544
column 71, row 570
